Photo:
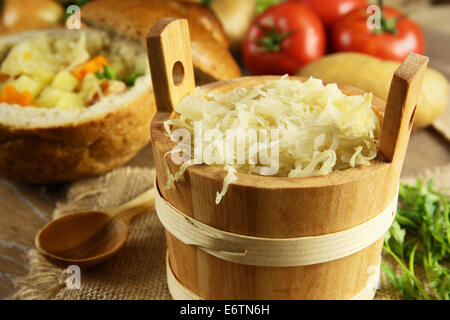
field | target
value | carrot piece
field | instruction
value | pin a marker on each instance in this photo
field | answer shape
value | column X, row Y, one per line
column 93, row 65
column 25, row 98
column 10, row 95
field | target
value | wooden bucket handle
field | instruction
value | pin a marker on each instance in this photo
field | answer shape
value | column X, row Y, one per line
column 401, row 105
column 172, row 72
column 169, row 52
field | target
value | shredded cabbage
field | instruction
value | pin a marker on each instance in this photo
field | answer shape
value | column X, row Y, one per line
column 45, row 52
column 320, row 128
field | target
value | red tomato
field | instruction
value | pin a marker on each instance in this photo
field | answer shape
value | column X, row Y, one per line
column 330, row 11
column 399, row 36
column 283, row 39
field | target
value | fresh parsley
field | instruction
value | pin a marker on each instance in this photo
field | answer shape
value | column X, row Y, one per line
column 109, row 73
column 420, row 235
column 132, row 78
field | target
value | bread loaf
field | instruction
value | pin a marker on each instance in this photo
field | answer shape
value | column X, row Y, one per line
column 209, row 44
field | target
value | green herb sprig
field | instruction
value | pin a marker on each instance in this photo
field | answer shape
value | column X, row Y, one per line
column 109, row 73
column 420, row 235
column 132, row 78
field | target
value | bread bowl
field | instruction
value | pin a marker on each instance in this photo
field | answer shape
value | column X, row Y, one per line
column 41, row 145
column 49, row 145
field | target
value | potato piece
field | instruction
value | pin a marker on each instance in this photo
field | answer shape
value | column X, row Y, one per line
column 236, row 17
column 70, row 101
column 48, row 98
column 44, row 75
column 25, row 82
column 375, row 75
column 65, row 81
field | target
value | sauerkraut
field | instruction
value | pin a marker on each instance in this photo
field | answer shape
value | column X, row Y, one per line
column 319, row 129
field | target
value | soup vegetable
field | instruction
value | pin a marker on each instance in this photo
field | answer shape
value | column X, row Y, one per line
column 65, row 72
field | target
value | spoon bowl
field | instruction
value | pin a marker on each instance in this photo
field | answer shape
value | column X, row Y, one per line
column 89, row 238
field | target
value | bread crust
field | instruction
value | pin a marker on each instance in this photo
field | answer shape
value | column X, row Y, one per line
column 66, row 153
column 210, row 55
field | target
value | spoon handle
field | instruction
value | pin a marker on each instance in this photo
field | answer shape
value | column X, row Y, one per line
column 139, row 205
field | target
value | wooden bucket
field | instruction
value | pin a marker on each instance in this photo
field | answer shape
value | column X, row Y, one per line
column 274, row 238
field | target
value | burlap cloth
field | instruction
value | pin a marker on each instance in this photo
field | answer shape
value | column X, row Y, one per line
column 138, row 271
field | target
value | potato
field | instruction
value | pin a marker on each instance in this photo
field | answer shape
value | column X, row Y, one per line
column 30, row 55
column 48, row 98
column 70, row 101
column 236, row 17
column 374, row 75
column 44, row 75
column 25, row 82
column 65, row 81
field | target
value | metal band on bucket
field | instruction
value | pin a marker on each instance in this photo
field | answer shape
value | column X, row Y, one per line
column 180, row 292
column 272, row 252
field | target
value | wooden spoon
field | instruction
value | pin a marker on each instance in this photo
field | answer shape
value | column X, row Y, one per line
column 89, row 238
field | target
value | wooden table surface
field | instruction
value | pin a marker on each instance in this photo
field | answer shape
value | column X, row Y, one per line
column 24, row 209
